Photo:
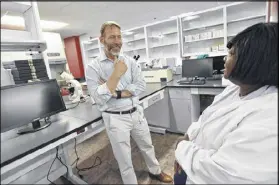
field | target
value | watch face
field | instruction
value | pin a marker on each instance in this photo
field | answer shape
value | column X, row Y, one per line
column 118, row 94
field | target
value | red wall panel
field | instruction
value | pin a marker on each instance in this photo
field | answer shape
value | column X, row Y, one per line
column 73, row 55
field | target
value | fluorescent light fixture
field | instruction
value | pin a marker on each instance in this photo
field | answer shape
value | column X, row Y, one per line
column 128, row 33
column 12, row 20
column 19, row 21
column 52, row 25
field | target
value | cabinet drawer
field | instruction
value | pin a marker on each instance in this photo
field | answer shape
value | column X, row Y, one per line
column 154, row 99
column 180, row 93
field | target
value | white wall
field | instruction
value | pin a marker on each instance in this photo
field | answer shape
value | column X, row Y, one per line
column 54, row 44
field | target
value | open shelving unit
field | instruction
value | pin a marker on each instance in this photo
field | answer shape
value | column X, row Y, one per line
column 203, row 33
column 91, row 50
column 163, row 39
column 248, row 14
column 134, row 43
column 190, row 35
column 207, row 32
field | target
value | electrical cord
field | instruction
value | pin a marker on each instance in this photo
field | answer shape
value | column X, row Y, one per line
column 82, row 100
column 84, row 169
column 51, row 166
column 59, row 158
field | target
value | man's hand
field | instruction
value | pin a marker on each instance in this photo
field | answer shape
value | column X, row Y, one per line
column 185, row 137
column 120, row 68
column 126, row 94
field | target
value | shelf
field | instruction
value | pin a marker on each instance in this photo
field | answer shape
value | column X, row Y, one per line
column 12, row 6
column 134, row 40
column 32, row 45
column 90, row 49
column 163, row 45
column 169, row 33
column 93, row 56
column 246, row 18
column 210, row 54
column 134, row 49
column 204, row 39
column 199, row 27
column 89, row 43
column 57, row 61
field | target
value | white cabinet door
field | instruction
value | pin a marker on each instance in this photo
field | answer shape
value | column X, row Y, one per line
column 180, row 115
column 158, row 113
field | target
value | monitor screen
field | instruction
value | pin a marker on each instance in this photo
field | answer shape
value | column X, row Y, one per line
column 197, row 68
column 218, row 63
column 22, row 104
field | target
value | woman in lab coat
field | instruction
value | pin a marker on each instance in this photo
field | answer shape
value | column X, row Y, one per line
column 235, row 139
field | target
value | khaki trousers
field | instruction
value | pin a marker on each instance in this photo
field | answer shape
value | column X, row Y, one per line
column 119, row 129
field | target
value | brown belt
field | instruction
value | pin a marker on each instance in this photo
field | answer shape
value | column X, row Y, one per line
column 123, row 112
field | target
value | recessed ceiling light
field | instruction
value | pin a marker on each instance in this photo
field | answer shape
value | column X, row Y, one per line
column 19, row 21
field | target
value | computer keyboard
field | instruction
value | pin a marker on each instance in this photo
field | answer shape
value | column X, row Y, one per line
column 191, row 82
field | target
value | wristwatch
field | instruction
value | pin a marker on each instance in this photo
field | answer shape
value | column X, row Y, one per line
column 118, row 93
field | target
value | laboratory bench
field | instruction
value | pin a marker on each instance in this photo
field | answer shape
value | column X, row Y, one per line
column 167, row 107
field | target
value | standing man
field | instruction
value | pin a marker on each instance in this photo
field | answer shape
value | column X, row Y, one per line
column 115, row 81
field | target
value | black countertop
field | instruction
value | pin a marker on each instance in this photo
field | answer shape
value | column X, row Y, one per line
column 81, row 116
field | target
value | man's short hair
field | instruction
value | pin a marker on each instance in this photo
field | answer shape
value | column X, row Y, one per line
column 108, row 24
column 256, row 55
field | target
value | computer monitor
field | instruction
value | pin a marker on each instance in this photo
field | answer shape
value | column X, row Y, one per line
column 29, row 103
column 197, row 68
column 218, row 64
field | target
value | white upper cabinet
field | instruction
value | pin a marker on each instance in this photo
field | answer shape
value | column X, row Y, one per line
column 242, row 15
column 163, row 39
column 200, row 33
column 203, row 33
column 134, row 43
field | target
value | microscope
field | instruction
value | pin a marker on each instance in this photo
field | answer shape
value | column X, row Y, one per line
column 75, row 88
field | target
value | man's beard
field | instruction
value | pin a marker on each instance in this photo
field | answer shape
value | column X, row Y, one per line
column 109, row 49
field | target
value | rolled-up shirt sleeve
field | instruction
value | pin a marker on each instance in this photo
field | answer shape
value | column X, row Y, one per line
column 100, row 93
column 138, row 84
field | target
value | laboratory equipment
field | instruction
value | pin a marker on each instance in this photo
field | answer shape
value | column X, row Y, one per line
column 30, row 103
column 77, row 93
column 157, row 75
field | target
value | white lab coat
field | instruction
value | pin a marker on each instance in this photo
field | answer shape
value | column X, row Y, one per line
column 234, row 140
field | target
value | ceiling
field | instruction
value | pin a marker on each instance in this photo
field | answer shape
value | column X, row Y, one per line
column 87, row 17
